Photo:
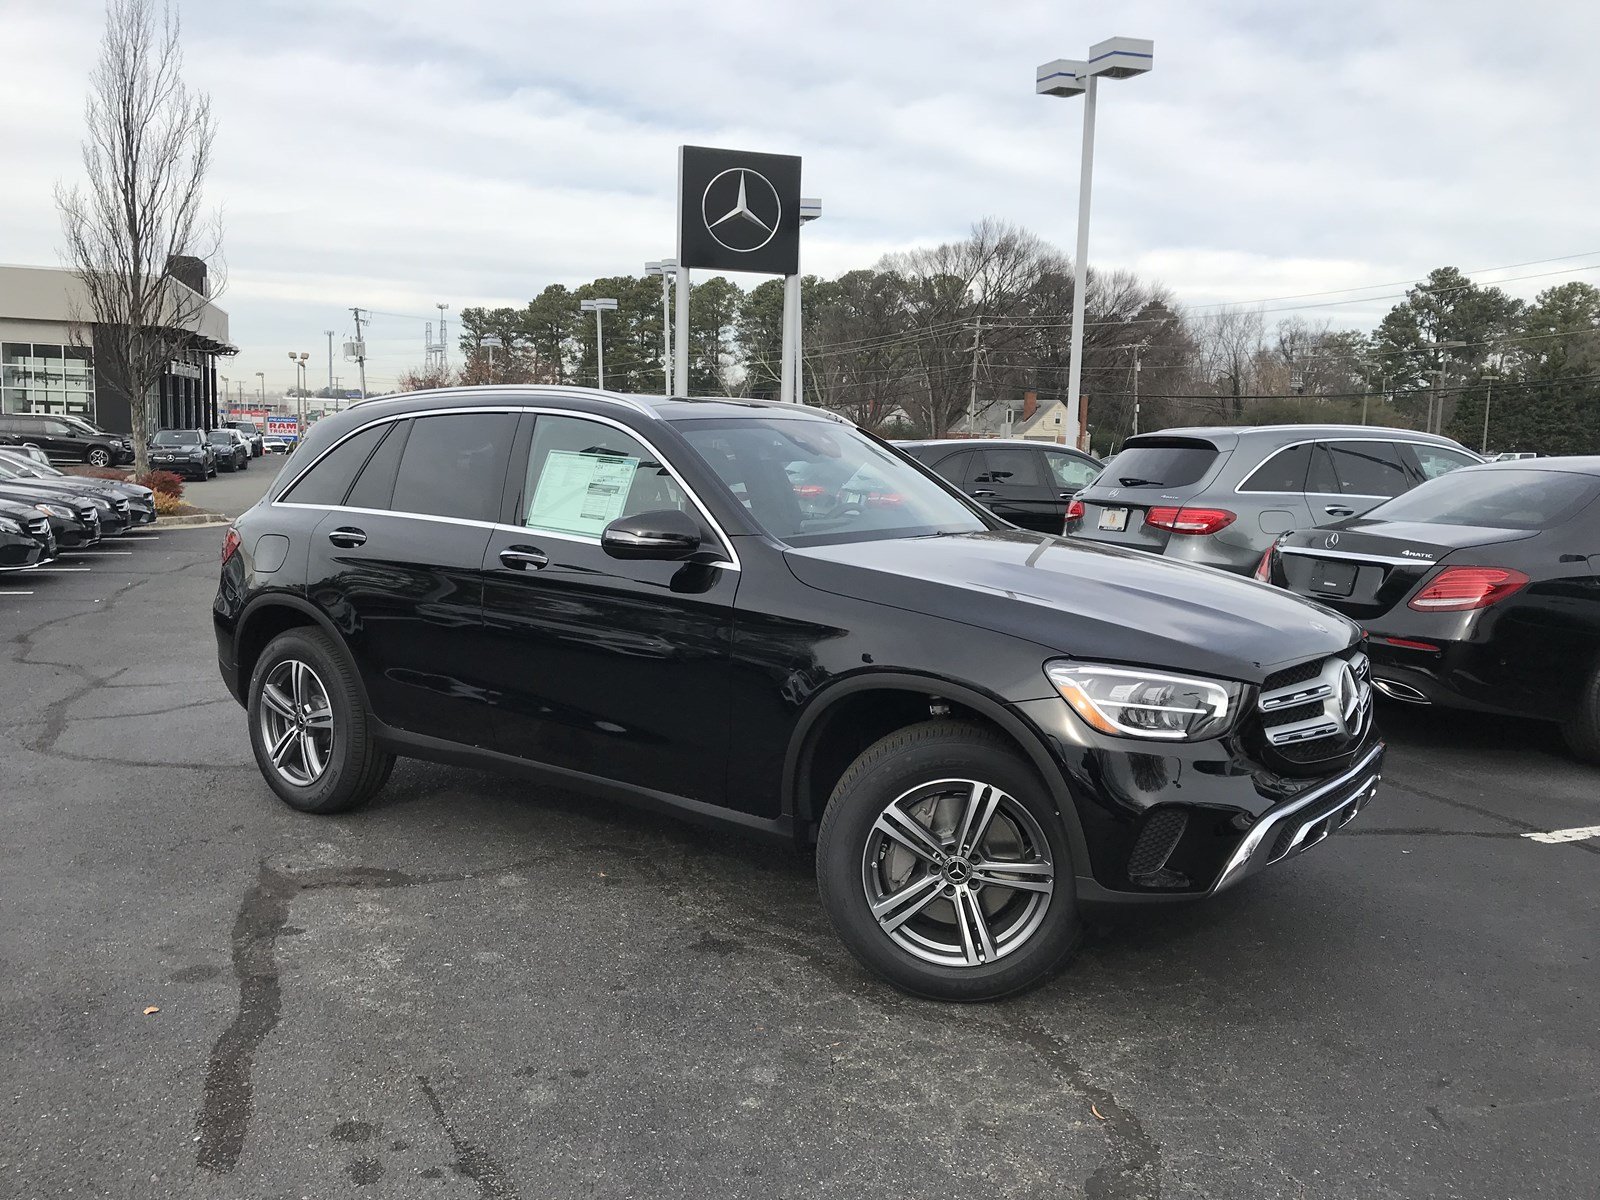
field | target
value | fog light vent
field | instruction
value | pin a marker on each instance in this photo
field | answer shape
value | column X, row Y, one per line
column 1162, row 830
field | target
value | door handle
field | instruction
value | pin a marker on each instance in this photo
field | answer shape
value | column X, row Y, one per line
column 1338, row 510
column 520, row 558
column 348, row 537
column 1065, row 495
column 980, row 495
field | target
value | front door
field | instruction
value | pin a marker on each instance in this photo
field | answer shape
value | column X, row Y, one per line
column 614, row 668
column 1010, row 481
column 397, row 563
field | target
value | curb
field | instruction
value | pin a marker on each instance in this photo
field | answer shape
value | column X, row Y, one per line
column 192, row 520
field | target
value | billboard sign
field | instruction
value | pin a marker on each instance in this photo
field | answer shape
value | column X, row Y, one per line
column 738, row 210
column 282, row 426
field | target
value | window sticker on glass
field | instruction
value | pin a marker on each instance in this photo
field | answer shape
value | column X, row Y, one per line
column 581, row 493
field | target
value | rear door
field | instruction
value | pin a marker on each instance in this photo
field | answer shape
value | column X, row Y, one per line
column 1349, row 476
column 1010, row 481
column 397, row 563
column 1149, row 472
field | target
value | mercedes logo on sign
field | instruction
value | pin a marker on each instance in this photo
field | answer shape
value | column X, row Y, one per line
column 738, row 210
column 741, row 209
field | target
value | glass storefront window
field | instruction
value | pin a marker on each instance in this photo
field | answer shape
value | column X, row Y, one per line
column 47, row 377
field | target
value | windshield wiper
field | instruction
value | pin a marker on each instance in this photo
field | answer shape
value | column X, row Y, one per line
column 1135, row 481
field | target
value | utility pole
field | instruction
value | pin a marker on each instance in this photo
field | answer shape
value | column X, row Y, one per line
column 1488, row 399
column 972, row 401
column 361, row 352
column 444, row 342
column 329, row 334
column 1136, row 368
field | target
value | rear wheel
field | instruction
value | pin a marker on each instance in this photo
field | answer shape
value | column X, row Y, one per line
column 309, row 728
column 944, row 866
column 1582, row 729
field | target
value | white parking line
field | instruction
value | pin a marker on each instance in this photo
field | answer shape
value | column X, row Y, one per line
column 16, row 593
column 1579, row 834
column 41, row 570
column 87, row 552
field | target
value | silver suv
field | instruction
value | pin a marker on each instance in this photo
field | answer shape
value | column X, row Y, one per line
column 1221, row 496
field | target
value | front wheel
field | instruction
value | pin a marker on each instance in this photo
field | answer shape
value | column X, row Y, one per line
column 309, row 727
column 1582, row 729
column 944, row 866
column 98, row 457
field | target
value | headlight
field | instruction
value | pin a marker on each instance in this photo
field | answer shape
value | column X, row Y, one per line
column 59, row 511
column 7, row 525
column 1131, row 702
column 102, row 505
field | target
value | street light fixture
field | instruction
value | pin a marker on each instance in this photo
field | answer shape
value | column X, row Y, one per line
column 597, row 307
column 491, row 343
column 667, row 268
column 1114, row 58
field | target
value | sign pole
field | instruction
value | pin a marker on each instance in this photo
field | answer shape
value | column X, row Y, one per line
column 788, row 391
column 680, row 348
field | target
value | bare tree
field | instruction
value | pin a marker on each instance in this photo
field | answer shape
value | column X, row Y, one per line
column 145, row 154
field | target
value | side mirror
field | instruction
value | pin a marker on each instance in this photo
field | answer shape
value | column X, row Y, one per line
column 667, row 534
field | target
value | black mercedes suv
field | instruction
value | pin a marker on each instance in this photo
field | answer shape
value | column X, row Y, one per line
column 982, row 729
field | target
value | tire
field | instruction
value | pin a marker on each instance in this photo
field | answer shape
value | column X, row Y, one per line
column 1582, row 729
column 343, row 768
column 98, row 456
column 961, row 934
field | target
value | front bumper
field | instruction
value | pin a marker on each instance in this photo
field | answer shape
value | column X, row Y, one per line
column 21, row 551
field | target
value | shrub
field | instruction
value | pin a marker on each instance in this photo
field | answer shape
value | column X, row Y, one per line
column 116, row 473
column 166, row 504
column 162, row 483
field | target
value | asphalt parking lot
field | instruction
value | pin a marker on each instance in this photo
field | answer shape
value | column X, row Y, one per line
column 475, row 988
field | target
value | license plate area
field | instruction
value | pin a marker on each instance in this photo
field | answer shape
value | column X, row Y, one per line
column 1332, row 578
column 1114, row 520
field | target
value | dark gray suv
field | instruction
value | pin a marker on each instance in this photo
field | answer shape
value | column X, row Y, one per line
column 1221, row 496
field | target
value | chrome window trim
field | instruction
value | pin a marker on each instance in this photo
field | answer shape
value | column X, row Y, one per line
column 1343, row 556
column 520, row 395
column 1397, row 441
column 733, row 563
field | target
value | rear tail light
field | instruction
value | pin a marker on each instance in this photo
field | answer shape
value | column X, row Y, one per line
column 1075, row 510
column 1409, row 644
column 1264, row 567
column 230, row 544
column 1459, row 589
column 810, row 491
column 1198, row 521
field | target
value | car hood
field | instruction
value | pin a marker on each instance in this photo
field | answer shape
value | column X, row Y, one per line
column 26, row 492
column 78, row 487
column 1085, row 599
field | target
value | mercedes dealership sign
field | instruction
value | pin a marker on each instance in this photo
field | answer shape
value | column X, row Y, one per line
column 738, row 211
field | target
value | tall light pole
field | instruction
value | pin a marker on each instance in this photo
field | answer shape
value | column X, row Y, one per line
column 667, row 268
column 491, row 343
column 328, row 333
column 299, row 361
column 597, row 307
column 1114, row 58
column 261, row 387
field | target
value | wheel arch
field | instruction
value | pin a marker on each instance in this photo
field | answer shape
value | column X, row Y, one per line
column 268, row 615
column 821, row 748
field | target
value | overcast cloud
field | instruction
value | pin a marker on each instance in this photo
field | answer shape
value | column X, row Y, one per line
column 395, row 153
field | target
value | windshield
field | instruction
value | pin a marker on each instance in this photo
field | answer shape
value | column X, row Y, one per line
column 1170, row 464
column 1497, row 499
column 23, row 466
column 176, row 437
column 221, row 435
column 81, row 426
column 807, row 482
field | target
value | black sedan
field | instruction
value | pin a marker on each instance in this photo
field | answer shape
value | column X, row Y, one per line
column 25, row 537
column 183, row 452
column 1479, row 590
column 111, row 512
column 141, row 506
column 1027, row 483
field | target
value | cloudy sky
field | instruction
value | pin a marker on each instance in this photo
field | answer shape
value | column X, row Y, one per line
column 397, row 153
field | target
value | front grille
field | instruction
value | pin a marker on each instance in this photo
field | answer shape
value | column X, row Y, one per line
column 120, row 505
column 1160, row 835
column 39, row 525
column 1317, row 710
column 1295, row 712
column 1292, row 675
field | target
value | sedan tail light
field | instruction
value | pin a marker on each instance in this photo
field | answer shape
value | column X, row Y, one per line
column 1074, row 510
column 1264, row 567
column 1197, row 521
column 1460, row 589
column 230, row 544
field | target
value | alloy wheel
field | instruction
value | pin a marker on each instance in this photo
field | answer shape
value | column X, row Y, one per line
column 296, row 722
column 958, row 873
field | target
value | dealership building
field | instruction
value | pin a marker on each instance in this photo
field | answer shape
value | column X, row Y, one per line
column 47, row 360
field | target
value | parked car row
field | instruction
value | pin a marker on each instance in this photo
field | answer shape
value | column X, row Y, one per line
column 66, row 439
column 46, row 512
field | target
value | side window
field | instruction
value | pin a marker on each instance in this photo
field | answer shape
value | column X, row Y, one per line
column 957, row 468
column 1070, row 473
column 1010, row 467
column 1285, row 471
column 1362, row 469
column 58, row 429
column 375, row 485
column 1434, row 461
column 583, row 475
column 329, row 480
column 455, row 466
